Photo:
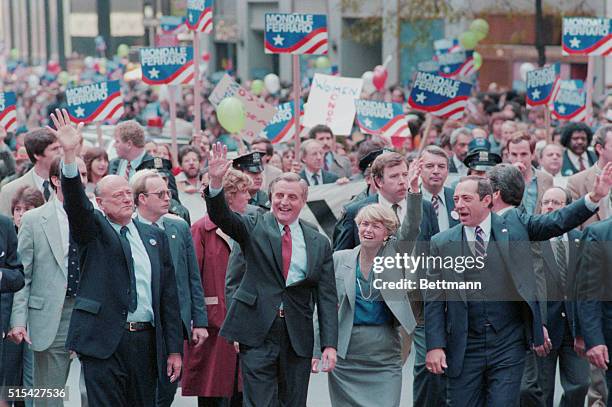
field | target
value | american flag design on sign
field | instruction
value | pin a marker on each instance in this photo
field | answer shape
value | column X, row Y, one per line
column 8, row 111
column 95, row 103
column 542, row 85
column 442, row 97
column 172, row 25
column 200, row 15
column 454, row 61
column 295, row 33
column 385, row 119
column 570, row 102
column 282, row 126
column 167, row 65
column 587, row 36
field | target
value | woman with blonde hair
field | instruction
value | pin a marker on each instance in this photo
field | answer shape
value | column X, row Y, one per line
column 370, row 317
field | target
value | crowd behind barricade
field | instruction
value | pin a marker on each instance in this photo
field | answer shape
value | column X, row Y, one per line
column 157, row 270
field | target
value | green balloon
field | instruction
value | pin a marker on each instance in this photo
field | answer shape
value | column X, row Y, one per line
column 468, row 40
column 14, row 53
column 123, row 50
column 63, row 78
column 231, row 114
column 480, row 25
column 479, row 35
column 322, row 62
column 477, row 60
column 257, row 87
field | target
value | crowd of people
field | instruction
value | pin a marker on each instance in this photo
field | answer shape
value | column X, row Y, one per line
column 197, row 270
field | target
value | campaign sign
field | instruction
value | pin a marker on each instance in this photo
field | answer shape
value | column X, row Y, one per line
column 95, row 103
column 381, row 118
column 258, row 112
column 442, row 97
column 456, row 64
column 295, row 33
column 172, row 25
column 8, row 111
column 200, row 15
column 282, row 126
column 331, row 101
column 587, row 36
column 446, row 45
column 542, row 85
column 428, row 66
column 167, row 65
column 570, row 102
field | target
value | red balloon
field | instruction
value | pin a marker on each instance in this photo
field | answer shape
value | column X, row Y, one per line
column 380, row 77
column 206, row 56
column 53, row 67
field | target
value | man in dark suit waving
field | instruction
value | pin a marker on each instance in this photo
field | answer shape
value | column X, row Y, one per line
column 121, row 328
column 289, row 267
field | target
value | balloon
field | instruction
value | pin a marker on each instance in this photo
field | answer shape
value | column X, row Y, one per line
column 123, row 50
column 524, row 68
column 89, row 62
column 477, row 60
column 468, row 40
column 479, row 35
column 231, row 114
column 272, row 83
column 14, row 53
column 206, row 56
column 380, row 77
column 257, row 86
column 368, row 85
column 63, row 78
column 480, row 25
column 53, row 67
column 322, row 62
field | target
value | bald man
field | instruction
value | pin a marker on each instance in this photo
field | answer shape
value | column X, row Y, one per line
column 120, row 328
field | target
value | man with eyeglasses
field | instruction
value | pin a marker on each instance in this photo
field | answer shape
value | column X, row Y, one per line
column 152, row 200
column 126, row 337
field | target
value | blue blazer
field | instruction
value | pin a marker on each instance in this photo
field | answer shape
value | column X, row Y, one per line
column 328, row 177
column 450, row 206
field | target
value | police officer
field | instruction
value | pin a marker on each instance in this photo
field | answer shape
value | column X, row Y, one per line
column 251, row 164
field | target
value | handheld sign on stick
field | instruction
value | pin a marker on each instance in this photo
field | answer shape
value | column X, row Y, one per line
column 8, row 111
column 442, row 97
column 95, row 103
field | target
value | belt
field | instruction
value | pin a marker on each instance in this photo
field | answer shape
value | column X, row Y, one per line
column 138, row 326
column 280, row 313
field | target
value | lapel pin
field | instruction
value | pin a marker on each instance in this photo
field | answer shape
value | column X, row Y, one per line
column 504, row 230
column 174, row 236
column 153, row 242
column 454, row 215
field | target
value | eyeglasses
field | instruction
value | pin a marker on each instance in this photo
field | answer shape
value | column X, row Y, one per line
column 160, row 194
column 552, row 202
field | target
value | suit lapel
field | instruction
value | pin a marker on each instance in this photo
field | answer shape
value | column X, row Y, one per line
column 350, row 276
column 459, row 247
column 310, row 240
column 172, row 234
column 274, row 239
column 450, row 206
column 50, row 226
column 150, row 243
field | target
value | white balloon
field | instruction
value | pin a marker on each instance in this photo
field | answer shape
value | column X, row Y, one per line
column 272, row 83
column 526, row 67
column 89, row 62
column 368, row 84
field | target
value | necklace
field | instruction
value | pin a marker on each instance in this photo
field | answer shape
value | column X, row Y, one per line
column 367, row 298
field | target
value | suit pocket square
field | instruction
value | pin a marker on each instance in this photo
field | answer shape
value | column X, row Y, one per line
column 2, row 254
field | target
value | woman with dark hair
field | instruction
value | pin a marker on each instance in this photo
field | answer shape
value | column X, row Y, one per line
column 96, row 161
column 16, row 364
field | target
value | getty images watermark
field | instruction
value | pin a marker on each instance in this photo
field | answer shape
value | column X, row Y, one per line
column 459, row 264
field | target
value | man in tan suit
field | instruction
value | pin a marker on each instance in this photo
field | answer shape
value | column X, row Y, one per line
column 579, row 184
column 521, row 148
column 42, row 148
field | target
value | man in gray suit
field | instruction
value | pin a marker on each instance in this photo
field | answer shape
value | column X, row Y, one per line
column 42, row 309
column 152, row 199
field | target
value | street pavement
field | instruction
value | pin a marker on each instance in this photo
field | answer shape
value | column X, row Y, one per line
column 318, row 395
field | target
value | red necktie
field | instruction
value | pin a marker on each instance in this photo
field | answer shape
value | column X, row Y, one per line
column 286, row 250
column 581, row 162
column 128, row 169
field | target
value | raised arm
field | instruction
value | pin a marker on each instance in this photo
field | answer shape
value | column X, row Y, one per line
column 410, row 228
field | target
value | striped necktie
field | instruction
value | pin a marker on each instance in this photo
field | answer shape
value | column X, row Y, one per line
column 561, row 258
column 435, row 201
column 479, row 245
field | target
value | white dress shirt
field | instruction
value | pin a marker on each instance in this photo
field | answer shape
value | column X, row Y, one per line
column 443, row 221
column 461, row 167
column 311, row 179
column 470, row 232
column 575, row 159
column 401, row 211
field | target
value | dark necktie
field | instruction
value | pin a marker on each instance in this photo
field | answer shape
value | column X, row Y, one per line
column 73, row 269
column 130, row 261
column 561, row 257
column 46, row 190
column 581, row 162
column 286, row 250
column 128, row 169
column 395, row 208
column 435, row 202
column 479, row 244
column 315, row 179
